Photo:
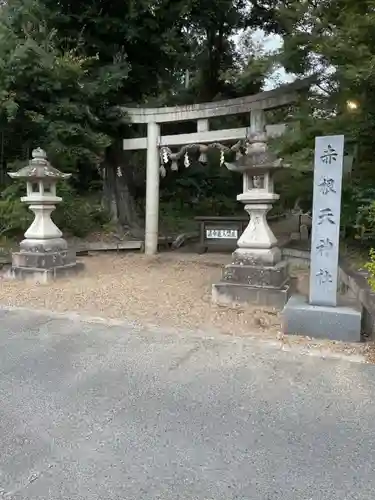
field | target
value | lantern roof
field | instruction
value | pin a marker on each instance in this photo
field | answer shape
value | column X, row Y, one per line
column 39, row 168
column 257, row 158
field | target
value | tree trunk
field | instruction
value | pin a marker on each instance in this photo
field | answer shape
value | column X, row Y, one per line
column 109, row 192
column 126, row 206
column 117, row 195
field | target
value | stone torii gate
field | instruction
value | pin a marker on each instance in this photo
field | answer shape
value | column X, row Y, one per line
column 255, row 105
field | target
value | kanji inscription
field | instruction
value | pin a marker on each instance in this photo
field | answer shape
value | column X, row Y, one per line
column 324, row 245
column 326, row 215
column 329, row 155
column 328, row 169
column 327, row 185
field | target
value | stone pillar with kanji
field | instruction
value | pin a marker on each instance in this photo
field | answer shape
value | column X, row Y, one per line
column 43, row 255
column 325, row 313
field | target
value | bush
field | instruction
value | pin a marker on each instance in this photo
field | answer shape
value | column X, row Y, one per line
column 75, row 216
column 15, row 218
column 79, row 216
column 370, row 266
column 358, row 213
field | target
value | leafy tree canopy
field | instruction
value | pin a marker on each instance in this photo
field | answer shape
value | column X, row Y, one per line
column 53, row 97
column 335, row 40
column 67, row 68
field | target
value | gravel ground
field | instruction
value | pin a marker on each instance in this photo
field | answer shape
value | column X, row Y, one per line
column 171, row 290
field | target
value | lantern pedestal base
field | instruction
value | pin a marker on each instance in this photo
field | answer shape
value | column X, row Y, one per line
column 43, row 266
column 50, row 245
column 248, row 281
column 45, row 275
column 257, row 256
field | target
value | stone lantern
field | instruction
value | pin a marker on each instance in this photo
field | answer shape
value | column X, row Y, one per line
column 43, row 254
column 257, row 274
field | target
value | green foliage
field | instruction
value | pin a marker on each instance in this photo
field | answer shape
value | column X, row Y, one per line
column 14, row 218
column 50, row 96
column 79, row 215
column 294, row 187
column 67, row 68
column 370, row 267
column 211, row 25
column 333, row 39
column 199, row 186
column 75, row 216
column 178, row 216
column 358, row 213
column 14, row 191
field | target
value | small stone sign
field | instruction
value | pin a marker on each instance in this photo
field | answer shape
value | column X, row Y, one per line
column 222, row 234
column 328, row 171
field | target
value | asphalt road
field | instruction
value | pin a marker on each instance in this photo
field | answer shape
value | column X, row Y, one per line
column 100, row 411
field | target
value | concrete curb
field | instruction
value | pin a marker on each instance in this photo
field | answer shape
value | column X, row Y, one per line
column 252, row 341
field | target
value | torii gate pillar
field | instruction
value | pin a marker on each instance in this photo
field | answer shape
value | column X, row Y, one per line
column 152, row 189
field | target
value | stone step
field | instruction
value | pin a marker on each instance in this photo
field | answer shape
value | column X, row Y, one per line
column 232, row 294
column 257, row 276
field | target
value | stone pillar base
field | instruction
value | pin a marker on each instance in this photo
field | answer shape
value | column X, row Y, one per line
column 335, row 323
column 232, row 294
column 247, row 282
column 43, row 267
